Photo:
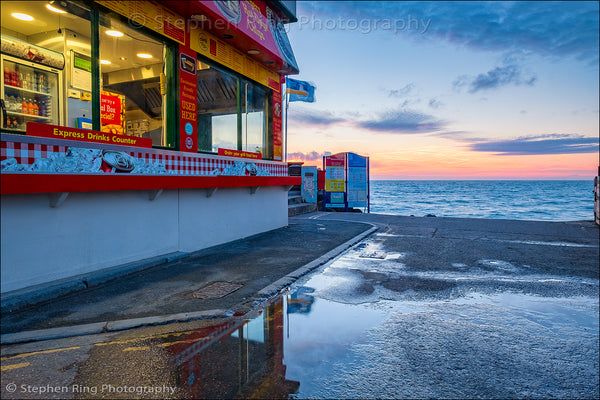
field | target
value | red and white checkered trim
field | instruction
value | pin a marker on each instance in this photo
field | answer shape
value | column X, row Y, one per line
column 177, row 163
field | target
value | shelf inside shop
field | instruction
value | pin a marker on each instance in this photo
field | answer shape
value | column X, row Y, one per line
column 18, row 114
column 20, row 89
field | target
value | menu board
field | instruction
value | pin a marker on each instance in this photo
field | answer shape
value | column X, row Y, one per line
column 152, row 15
column 211, row 47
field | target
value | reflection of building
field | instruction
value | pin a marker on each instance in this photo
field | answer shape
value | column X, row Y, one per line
column 235, row 360
column 300, row 301
column 186, row 98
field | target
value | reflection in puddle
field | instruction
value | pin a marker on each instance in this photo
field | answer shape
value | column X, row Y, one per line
column 329, row 337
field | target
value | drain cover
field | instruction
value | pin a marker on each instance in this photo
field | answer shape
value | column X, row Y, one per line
column 216, row 290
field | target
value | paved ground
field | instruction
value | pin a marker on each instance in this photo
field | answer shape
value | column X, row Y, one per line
column 420, row 308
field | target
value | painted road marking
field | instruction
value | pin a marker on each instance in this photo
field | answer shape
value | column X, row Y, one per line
column 38, row 352
column 13, row 366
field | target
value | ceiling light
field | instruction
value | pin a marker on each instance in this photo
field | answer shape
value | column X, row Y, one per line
column 123, row 58
column 144, row 55
column 269, row 62
column 199, row 17
column 114, row 33
column 253, row 51
column 54, row 9
column 227, row 36
column 105, row 62
column 22, row 17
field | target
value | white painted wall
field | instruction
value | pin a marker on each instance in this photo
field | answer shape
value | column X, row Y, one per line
column 95, row 230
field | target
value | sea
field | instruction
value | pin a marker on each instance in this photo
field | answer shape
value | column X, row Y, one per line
column 541, row 200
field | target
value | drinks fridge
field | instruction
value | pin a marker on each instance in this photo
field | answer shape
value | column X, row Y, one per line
column 31, row 92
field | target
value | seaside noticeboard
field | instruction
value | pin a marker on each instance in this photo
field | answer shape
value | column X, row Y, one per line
column 346, row 181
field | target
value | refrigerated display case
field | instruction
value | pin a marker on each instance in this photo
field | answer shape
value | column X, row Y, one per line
column 31, row 92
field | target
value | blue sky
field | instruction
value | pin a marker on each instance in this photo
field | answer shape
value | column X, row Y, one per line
column 450, row 89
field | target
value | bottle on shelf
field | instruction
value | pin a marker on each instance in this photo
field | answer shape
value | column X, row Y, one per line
column 36, row 108
column 19, row 104
column 7, row 75
column 24, row 106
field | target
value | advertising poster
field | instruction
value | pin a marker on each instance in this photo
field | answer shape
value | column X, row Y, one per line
column 188, row 114
column 309, row 184
column 335, row 173
column 357, row 181
column 111, row 112
column 335, row 181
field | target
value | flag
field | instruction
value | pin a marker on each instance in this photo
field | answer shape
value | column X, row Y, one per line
column 300, row 90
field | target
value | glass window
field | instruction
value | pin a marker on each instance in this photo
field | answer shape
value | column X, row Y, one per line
column 255, row 117
column 132, row 67
column 41, row 83
column 233, row 113
column 217, row 95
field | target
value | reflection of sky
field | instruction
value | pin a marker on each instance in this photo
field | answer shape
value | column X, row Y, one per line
column 254, row 330
column 480, row 77
column 326, row 333
column 224, row 130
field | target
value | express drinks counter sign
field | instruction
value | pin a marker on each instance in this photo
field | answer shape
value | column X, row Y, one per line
column 188, row 137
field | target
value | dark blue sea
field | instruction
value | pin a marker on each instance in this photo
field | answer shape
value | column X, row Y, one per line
column 523, row 200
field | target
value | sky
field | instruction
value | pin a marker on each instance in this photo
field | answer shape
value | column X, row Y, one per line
column 449, row 90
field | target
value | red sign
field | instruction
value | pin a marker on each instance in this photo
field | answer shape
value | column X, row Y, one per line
column 84, row 135
column 336, row 160
column 239, row 153
column 110, row 109
column 188, row 114
column 277, row 135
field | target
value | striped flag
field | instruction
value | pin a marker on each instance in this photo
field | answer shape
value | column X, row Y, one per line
column 300, row 90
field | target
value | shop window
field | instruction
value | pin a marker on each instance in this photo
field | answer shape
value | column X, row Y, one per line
column 232, row 112
column 254, row 117
column 132, row 67
column 39, row 41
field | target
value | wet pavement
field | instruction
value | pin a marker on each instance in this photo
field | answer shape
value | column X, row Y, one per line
column 422, row 308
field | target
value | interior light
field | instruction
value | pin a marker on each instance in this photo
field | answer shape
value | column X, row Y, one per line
column 105, row 62
column 253, row 51
column 199, row 17
column 22, row 17
column 54, row 9
column 144, row 55
column 114, row 33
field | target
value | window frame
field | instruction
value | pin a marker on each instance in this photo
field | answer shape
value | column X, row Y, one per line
column 267, row 152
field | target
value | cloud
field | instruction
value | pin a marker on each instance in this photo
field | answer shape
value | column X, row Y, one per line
column 402, row 121
column 435, row 103
column 495, row 78
column 310, row 156
column 402, row 92
column 546, row 28
column 542, row 144
column 313, row 117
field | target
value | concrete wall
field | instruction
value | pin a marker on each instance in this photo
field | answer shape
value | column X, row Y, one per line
column 91, row 231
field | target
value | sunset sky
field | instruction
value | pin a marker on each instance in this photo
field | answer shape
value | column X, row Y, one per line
column 450, row 90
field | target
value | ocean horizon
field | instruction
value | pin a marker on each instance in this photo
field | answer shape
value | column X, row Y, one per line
column 538, row 200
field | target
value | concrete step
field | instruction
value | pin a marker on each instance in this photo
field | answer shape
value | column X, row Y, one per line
column 294, row 200
column 303, row 208
column 294, row 192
